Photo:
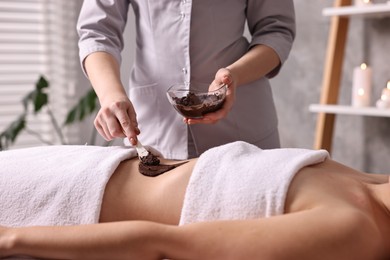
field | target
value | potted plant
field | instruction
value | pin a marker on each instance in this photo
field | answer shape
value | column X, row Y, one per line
column 38, row 99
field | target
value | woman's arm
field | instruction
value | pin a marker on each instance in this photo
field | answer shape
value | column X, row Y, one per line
column 115, row 240
column 321, row 233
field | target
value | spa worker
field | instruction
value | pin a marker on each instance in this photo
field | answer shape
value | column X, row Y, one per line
column 187, row 41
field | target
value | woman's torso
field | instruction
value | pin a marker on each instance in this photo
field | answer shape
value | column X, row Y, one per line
column 130, row 195
column 331, row 184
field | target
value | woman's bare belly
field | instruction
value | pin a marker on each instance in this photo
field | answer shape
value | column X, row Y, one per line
column 130, row 195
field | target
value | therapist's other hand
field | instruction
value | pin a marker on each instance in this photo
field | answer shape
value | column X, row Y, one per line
column 117, row 119
column 223, row 76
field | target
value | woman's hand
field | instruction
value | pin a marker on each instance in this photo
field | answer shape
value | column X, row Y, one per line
column 223, row 76
column 117, row 119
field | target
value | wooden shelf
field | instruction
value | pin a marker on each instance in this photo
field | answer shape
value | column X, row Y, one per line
column 341, row 13
column 371, row 10
column 349, row 110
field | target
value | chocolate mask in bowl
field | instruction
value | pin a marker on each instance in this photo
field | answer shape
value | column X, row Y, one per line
column 194, row 102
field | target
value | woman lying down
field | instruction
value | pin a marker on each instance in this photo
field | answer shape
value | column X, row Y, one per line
column 235, row 202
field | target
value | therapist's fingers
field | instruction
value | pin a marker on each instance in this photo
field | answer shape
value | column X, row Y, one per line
column 107, row 124
column 129, row 124
column 223, row 76
column 118, row 119
column 101, row 130
column 213, row 117
column 125, row 122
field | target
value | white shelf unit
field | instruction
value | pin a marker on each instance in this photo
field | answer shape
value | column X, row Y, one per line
column 341, row 12
column 349, row 110
column 369, row 10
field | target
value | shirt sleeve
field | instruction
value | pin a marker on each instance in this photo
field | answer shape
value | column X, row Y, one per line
column 100, row 27
column 272, row 23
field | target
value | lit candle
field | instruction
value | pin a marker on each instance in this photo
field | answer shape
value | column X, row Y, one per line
column 361, row 86
column 386, row 91
column 362, row 2
column 384, row 101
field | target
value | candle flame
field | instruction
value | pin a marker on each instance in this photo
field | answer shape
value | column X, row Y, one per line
column 363, row 66
column 366, row 1
column 388, row 84
column 361, row 92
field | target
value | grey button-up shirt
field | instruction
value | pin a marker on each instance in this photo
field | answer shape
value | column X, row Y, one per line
column 189, row 40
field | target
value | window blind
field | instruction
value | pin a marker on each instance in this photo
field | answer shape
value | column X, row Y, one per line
column 38, row 37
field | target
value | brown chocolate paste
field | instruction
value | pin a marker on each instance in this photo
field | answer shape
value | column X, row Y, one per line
column 150, row 166
column 195, row 106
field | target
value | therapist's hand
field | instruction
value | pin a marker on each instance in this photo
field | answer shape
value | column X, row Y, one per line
column 117, row 119
column 223, row 76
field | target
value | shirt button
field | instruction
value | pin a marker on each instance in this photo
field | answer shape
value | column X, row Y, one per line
column 183, row 1
column 182, row 15
column 184, row 70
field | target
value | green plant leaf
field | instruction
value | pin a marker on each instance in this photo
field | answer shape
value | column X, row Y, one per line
column 81, row 111
column 9, row 135
column 91, row 99
column 87, row 105
column 40, row 100
column 3, row 142
column 15, row 128
column 71, row 116
column 41, row 83
column 37, row 97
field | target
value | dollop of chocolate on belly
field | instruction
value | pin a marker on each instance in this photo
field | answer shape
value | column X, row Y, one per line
column 150, row 159
column 150, row 166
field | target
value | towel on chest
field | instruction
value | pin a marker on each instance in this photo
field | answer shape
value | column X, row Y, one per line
column 241, row 181
column 56, row 185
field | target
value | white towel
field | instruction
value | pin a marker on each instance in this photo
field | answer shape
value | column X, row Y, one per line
column 240, row 181
column 56, row 185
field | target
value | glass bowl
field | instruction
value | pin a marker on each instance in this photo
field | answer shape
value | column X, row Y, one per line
column 193, row 100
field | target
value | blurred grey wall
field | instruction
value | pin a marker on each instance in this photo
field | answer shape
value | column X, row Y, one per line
column 360, row 142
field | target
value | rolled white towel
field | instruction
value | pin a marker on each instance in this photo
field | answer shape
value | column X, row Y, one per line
column 241, row 181
column 56, row 185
